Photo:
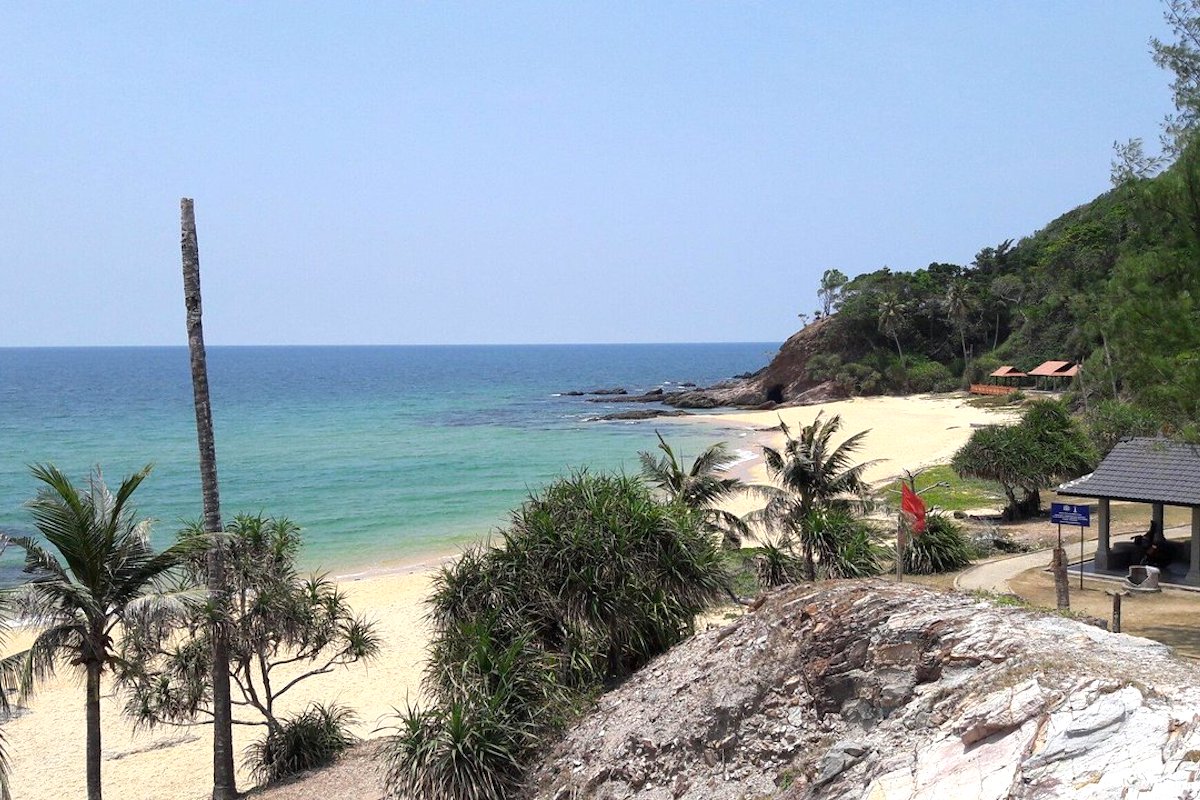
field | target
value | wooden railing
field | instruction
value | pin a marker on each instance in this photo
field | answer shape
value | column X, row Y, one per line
column 991, row 388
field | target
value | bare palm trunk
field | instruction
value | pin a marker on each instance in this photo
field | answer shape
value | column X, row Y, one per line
column 93, row 730
column 224, row 780
column 1062, row 593
column 900, row 352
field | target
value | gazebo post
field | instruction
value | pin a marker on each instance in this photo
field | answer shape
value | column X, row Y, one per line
column 1193, row 576
column 1156, row 514
column 1101, row 558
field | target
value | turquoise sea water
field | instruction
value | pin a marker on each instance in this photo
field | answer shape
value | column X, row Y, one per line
column 381, row 454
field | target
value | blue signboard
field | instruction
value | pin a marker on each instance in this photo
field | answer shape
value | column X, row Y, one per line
column 1067, row 514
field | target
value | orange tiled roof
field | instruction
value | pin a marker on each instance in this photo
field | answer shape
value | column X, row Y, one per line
column 1055, row 369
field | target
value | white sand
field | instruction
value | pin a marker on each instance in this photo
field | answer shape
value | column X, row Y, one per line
column 46, row 743
column 905, row 433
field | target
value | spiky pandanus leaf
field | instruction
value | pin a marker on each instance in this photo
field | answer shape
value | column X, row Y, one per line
column 942, row 547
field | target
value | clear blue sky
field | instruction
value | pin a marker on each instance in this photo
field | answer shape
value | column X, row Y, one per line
column 534, row 172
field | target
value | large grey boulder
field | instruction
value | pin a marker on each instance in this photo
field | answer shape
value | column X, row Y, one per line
column 873, row 691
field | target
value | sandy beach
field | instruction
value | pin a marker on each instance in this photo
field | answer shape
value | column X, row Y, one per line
column 904, row 433
column 46, row 741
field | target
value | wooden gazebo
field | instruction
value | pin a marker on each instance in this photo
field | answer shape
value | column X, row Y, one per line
column 1051, row 371
column 1008, row 372
column 1157, row 471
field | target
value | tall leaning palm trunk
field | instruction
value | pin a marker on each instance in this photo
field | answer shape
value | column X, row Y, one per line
column 224, row 779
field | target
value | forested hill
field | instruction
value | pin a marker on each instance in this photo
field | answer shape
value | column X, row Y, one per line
column 1110, row 284
column 1021, row 304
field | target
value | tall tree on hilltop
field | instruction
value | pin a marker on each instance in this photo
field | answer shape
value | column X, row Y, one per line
column 224, row 777
column 98, row 567
column 832, row 282
column 1181, row 57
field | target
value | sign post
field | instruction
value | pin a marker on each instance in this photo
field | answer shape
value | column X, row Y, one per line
column 1077, row 516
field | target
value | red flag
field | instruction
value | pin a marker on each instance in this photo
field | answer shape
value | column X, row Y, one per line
column 913, row 507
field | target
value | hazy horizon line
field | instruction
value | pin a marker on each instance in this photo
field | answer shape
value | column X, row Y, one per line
column 393, row 344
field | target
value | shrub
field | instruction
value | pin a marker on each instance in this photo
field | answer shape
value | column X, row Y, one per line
column 942, row 547
column 847, row 546
column 1110, row 421
column 859, row 379
column 823, row 366
column 930, row 376
column 982, row 367
column 460, row 750
column 594, row 569
column 778, row 565
column 594, row 577
column 311, row 739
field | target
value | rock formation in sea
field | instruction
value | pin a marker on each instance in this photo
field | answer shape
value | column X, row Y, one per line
column 871, row 690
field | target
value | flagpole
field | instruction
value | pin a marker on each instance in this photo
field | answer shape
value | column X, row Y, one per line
column 908, row 486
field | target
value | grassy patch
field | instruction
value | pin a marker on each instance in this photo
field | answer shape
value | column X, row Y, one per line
column 959, row 494
column 740, row 563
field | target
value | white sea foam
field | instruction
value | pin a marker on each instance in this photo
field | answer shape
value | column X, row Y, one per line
column 741, row 457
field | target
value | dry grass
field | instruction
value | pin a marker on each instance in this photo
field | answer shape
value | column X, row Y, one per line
column 1169, row 617
column 357, row 775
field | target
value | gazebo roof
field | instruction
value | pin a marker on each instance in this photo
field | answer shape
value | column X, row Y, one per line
column 1008, row 371
column 1144, row 470
column 1055, row 369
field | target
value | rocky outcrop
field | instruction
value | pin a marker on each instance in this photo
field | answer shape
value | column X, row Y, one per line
column 785, row 381
column 652, row 396
column 641, row 413
column 874, row 691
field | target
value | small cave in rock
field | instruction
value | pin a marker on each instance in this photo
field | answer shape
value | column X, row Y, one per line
column 775, row 393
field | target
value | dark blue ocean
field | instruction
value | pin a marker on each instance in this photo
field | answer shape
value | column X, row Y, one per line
column 381, row 454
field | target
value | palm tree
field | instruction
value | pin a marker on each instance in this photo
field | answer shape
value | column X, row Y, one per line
column 958, row 307
column 10, row 672
column 891, row 317
column 813, row 479
column 104, row 568
column 702, row 487
column 224, row 777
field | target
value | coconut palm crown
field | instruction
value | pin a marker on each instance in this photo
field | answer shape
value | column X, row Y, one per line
column 813, row 478
column 95, row 566
column 702, row 487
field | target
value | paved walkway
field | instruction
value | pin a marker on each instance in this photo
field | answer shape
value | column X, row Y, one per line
column 993, row 576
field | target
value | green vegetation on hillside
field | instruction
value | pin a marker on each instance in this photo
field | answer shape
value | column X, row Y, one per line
column 1113, row 284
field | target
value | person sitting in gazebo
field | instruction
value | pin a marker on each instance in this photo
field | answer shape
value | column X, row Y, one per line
column 1151, row 547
